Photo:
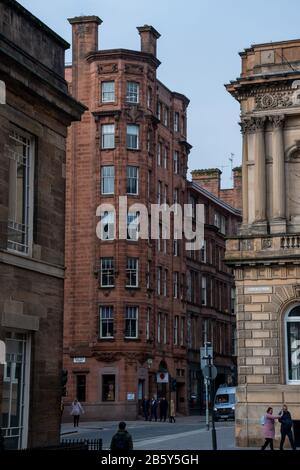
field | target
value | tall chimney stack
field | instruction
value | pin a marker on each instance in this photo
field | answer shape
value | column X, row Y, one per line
column 149, row 37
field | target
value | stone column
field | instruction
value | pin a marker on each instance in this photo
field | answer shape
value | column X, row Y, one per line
column 258, row 124
column 278, row 223
column 244, row 130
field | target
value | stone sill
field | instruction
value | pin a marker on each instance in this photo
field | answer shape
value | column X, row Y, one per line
column 20, row 261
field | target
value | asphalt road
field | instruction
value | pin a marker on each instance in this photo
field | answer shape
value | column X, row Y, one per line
column 188, row 433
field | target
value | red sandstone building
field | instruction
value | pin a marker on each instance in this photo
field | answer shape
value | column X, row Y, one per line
column 129, row 312
column 125, row 315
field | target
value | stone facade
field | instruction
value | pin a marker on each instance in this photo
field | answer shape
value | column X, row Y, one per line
column 33, row 128
column 266, row 254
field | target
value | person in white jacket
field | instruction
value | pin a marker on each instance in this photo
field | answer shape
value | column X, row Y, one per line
column 76, row 411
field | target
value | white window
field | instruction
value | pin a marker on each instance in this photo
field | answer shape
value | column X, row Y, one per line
column 148, row 323
column 132, row 92
column 108, row 92
column 217, row 220
column 108, row 136
column 148, row 184
column 292, row 340
column 107, row 225
column 133, row 226
column 175, row 247
column 166, row 116
column 176, row 122
column 159, row 110
column 132, row 137
column 148, row 275
column 159, row 240
column 203, row 252
column 107, row 272
column 131, row 322
column 175, row 331
column 164, row 238
column 21, row 184
column 232, row 290
column 204, row 290
column 223, row 225
column 158, row 327
column 165, row 201
column 165, row 157
column 175, row 285
column 159, row 193
column 107, row 180
column 182, row 331
column 165, row 328
column 132, row 186
column 149, row 98
column 159, row 270
column 165, row 284
column 176, row 162
column 106, row 322
column 159, row 147
column 132, row 272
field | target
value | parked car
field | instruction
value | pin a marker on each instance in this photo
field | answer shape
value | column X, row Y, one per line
column 224, row 406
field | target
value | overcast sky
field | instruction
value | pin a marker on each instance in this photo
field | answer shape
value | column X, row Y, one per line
column 198, row 48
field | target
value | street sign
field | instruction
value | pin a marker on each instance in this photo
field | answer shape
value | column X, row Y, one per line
column 162, row 377
column 203, row 362
column 210, row 374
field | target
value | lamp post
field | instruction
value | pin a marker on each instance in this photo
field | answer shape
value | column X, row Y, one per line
column 212, row 397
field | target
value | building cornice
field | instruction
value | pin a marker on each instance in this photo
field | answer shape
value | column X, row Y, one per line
column 123, row 54
column 32, row 264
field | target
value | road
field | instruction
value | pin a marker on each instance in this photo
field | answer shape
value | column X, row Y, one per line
column 188, row 433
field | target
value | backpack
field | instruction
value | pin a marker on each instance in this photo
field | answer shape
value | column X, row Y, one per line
column 121, row 442
column 262, row 420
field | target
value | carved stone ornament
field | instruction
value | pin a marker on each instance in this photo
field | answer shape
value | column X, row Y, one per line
column 279, row 99
column 106, row 356
column 277, row 121
column 252, row 124
column 107, row 68
column 134, row 68
column 134, row 114
column 266, row 243
column 297, row 291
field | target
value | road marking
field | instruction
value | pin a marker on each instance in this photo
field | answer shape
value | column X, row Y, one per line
column 168, row 437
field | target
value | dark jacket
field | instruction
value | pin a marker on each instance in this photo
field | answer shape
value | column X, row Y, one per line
column 286, row 421
column 122, row 440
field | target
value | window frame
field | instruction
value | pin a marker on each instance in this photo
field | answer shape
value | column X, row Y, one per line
column 131, row 272
column 131, row 136
column 109, row 178
column 109, row 272
column 130, row 320
column 295, row 319
column 103, row 134
column 109, row 321
column 131, row 93
column 108, row 92
column 132, row 178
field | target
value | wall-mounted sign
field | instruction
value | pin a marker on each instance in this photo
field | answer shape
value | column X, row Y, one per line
column 258, row 290
column 79, row 360
column 162, row 377
column 130, row 396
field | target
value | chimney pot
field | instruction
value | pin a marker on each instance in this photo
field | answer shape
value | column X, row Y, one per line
column 149, row 37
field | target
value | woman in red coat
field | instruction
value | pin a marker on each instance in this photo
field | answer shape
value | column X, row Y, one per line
column 269, row 428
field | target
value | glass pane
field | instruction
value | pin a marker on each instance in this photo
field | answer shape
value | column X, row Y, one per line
column 295, row 312
column 293, row 339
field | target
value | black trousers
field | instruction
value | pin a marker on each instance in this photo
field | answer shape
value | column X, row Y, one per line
column 268, row 441
column 76, row 420
column 289, row 434
column 163, row 415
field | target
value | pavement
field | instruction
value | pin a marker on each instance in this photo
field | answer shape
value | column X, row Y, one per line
column 188, row 433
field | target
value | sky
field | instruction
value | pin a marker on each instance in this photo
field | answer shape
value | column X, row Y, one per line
column 199, row 46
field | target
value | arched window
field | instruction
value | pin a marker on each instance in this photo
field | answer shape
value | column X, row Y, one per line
column 292, row 334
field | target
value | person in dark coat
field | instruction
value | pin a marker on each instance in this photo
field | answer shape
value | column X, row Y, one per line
column 163, row 408
column 122, row 440
column 153, row 406
column 286, row 427
column 146, row 407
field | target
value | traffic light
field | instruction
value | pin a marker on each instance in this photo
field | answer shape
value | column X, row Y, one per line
column 173, row 385
column 64, row 380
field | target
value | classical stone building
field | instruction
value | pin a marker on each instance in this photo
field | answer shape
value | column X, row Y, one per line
column 125, row 315
column 35, row 111
column 210, row 292
column 266, row 254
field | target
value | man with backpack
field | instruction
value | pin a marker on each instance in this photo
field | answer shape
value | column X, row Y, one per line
column 122, row 440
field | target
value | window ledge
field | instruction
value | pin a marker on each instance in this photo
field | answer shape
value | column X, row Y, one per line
column 107, row 338
column 127, row 338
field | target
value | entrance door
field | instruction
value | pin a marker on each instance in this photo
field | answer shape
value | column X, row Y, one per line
column 15, row 395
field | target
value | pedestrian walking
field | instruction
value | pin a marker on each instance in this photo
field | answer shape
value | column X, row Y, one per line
column 146, row 408
column 163, row 408
column 122, row 440
column 172, row 412
column 76, row 411
column 286, row 427
column 153, row 409
column 269, row 428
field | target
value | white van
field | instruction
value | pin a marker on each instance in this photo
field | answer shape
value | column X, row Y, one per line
column 224, row 406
